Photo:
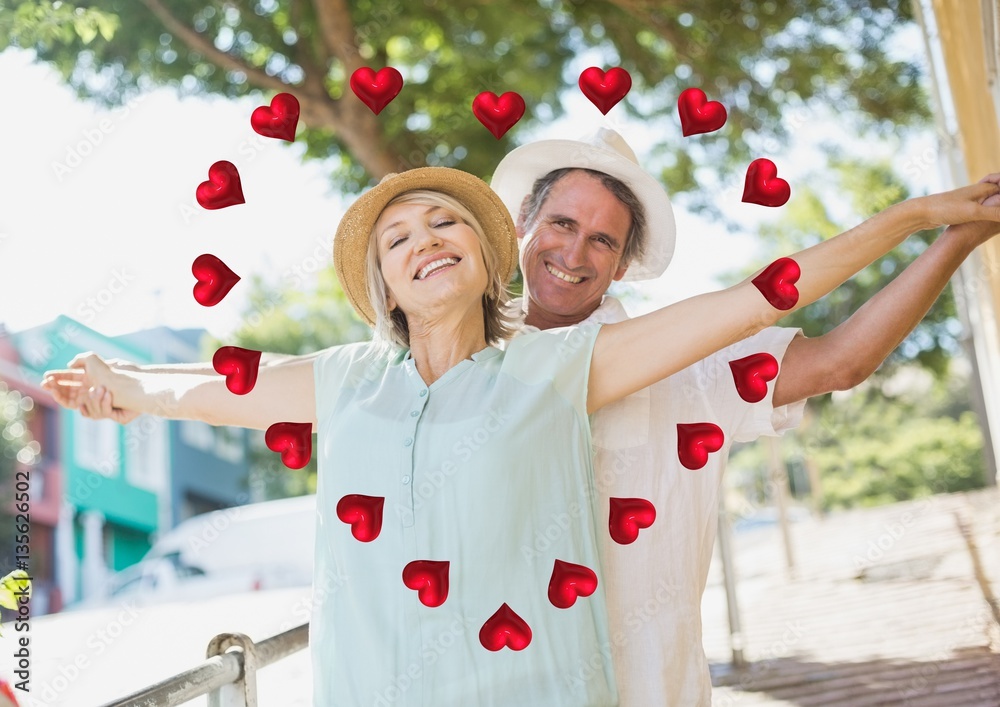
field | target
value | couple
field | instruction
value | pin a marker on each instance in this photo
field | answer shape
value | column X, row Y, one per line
column 500, row 545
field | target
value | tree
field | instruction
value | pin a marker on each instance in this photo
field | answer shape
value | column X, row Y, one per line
column 291, row 320
column 884, row 441
column 17, row 450
column 855, row 190
column 758, row 58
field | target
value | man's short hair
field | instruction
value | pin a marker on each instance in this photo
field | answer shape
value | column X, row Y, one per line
column 635, row 240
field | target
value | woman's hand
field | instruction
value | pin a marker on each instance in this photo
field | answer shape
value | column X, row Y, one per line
column 89, row 385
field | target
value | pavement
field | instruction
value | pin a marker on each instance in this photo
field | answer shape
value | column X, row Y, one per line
column 882, row 607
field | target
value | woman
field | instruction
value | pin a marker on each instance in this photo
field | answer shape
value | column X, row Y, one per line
column 443, row 460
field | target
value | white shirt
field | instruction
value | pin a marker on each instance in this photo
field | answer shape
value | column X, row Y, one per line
column 654, row 585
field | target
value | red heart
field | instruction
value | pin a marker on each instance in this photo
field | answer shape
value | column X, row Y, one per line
column 363, row 514
column 763, row 186
column 498, row 114
column 293, row 440
column 605, row 89
column 277, row 120
column 505, row 628
column 239, row 366
column 777, row 283
column 698, row 114
column 429, row 578
column 751, row 374
column 215, row 280
column 376, row 90
column 570, row 581
column 628, row 517
column 696, row 441
column 222, row 188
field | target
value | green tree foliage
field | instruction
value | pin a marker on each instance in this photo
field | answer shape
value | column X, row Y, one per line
column 292, row 319
column 17, row 449
column 881, row 444
column 857, row 190
column 758, row 58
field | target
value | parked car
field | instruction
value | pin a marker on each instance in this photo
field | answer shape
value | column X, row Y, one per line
column 265, row 545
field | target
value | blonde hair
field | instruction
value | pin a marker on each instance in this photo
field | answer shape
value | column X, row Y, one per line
column 391, row 328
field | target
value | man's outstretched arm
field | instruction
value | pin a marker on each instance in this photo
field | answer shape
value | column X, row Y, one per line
column 847, row 355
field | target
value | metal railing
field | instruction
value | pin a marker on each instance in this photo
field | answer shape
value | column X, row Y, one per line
column 228, row 677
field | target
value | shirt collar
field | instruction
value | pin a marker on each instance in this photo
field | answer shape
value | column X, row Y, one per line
column 609, row 311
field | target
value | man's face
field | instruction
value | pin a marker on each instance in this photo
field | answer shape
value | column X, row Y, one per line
column 572, row 251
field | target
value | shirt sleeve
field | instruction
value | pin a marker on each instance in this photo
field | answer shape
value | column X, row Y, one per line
column 559, row 355
column 746, row 421
column 332, row 370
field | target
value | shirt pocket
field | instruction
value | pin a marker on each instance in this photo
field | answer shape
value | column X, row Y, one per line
column 624, row 423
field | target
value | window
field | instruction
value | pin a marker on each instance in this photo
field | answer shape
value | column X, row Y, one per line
column 96, row 445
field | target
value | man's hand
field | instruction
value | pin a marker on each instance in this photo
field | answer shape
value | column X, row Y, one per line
column 974, row 203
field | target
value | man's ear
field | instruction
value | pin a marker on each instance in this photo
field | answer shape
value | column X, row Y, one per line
column 522, row 218
column 620, row 273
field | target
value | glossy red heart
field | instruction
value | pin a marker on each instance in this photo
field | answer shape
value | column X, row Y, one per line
column 752, row 373
column 605, row 88
column 505, row 628
column 293, row 440
column 277, row 120
column 777, row 283
column 215, row 280
column 570, row 581
column 698, row 114
column 763, row 185
column 629, row 516
column 695, row 441
column 430, row 580
column 239, row 366
column 223, row 187
column 498, row 114
column 363, row 514
column 376, row 90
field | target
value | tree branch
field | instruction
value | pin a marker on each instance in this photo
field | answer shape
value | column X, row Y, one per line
column 199, row 43
column 337, row 29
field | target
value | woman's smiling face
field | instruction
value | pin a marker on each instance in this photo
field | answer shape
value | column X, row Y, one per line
column 429, row 257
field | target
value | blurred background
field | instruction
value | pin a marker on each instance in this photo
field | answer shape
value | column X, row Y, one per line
column 115, row 109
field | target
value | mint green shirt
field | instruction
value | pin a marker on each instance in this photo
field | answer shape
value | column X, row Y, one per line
column 490, row 470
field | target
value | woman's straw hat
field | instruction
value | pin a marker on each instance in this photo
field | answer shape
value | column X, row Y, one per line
column 350, row 244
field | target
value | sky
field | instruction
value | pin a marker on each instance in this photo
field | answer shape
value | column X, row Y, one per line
column 98, row 219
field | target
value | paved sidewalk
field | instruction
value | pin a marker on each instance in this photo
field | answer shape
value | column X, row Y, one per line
column 883, row 608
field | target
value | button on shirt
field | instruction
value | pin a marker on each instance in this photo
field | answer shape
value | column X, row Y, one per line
column 488, row 469
column 655, row 584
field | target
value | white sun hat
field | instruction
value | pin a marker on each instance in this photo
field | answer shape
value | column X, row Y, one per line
column 604, row 151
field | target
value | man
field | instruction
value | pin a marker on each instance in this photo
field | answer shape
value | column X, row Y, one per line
column 600, row 218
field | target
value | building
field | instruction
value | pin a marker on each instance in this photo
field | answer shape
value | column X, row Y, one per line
column 108, row 489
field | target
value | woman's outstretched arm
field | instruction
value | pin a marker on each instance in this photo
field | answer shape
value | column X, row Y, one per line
column 631, row 355
column 283, row 392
